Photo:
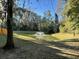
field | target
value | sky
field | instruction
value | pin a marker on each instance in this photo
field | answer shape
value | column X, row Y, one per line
column 40, row 6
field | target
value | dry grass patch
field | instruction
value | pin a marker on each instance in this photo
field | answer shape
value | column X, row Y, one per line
column 62, row 36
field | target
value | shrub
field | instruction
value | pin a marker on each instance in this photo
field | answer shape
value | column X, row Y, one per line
column 3, row 31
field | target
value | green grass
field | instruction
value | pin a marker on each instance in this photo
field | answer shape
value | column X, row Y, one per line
column 65, row 37
column 29, row 47
column 46, row 37
column 70, row 40
column 31, row 35
column 17, row 42
column 21, row 43
column 26, row 33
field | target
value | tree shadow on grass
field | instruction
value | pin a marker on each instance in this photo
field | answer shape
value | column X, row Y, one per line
column 71, row 40
column 31, row 50
column 41, row 51
column 63, row 45
column 28, row 49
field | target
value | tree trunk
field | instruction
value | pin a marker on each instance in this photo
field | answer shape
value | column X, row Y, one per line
column 9, row 43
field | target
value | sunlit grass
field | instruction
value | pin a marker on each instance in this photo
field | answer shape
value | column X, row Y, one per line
column 62, row 36
column 24, row 41
column 53, row 37
column 25, row 35
column 22, row 36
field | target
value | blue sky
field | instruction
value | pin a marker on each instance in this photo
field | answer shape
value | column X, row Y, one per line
column 41, row 6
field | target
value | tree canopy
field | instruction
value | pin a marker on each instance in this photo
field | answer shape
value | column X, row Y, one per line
column 71, row 16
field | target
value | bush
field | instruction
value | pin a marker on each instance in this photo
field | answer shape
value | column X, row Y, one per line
column 3, row 31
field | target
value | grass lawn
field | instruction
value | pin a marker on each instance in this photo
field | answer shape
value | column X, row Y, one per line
column 66, row 37
column 36, row 49
column 33, row 37
column 48, row 47
column 54, row 37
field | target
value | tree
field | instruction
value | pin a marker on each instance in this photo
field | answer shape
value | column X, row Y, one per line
column 9, row 43
column 57, row 23
column 71, row 15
